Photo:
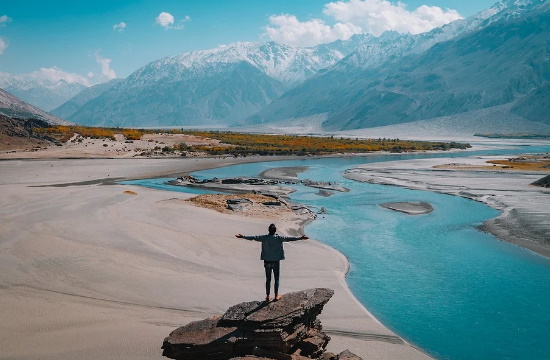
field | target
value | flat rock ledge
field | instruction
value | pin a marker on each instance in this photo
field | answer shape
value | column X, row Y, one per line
column 287, row 329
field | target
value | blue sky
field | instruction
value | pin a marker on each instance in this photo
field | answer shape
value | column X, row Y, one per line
column 95, row 41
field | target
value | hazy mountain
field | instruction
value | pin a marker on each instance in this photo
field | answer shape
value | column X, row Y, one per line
column 216, row 86
column 44, row 94
column 11, row 106
column 499, row 56
column 73, row 104
column 219, row 93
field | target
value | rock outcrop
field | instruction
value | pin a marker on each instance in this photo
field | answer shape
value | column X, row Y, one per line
column 544, row 182
column 287, row 329
column 238, row 204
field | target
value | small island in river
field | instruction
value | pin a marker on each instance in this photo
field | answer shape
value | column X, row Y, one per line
column 409, row 207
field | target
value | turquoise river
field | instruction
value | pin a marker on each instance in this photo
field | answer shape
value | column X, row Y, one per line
column 449, row 289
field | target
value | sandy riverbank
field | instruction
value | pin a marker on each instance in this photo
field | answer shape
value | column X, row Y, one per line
column 525, row 218
column 88, row 271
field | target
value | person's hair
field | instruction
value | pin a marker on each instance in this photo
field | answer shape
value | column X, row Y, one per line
column 272, row 229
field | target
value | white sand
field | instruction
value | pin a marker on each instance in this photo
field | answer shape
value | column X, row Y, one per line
column 88, row 272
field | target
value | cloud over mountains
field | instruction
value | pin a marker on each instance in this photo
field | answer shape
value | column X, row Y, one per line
column 355, row 17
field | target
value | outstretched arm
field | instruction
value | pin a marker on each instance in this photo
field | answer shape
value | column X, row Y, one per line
column 290, row 238
column 256, row 238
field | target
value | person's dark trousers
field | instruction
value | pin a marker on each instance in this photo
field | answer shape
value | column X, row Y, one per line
column 271, row 266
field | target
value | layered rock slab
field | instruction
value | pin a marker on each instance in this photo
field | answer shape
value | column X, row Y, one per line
column 284, row 329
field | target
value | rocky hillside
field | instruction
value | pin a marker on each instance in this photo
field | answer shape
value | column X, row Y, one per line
column 543, row 182
column 19, row 134
column 13, row 107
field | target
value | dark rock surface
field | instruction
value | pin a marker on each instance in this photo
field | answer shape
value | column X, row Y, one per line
column 544, row 182
column 272, row 203
column 287, row 329
column 238, row 204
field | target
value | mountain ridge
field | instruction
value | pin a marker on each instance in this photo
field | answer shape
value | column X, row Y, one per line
column 72, row 105
column 194, row 88
column 392, row 92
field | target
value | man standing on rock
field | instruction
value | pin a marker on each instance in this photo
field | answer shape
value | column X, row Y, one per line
column 272, row 254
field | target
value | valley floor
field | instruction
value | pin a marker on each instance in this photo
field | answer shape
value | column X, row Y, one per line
column 88, row 271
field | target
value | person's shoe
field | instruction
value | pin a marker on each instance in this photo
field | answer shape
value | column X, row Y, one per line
column 267, row 299
column 277, row 297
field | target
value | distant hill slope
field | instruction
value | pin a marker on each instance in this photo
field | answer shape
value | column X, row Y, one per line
column 72, row 105
column 501, row 63
column 11, row 106
column 493, row 120
column 535, row 106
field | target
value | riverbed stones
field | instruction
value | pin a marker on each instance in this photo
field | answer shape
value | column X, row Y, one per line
column 238, row 204
column 284, row 329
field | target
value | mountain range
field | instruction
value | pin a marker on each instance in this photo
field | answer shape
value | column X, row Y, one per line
column 492, row 61
column 43, row 93
column 218, row 86
column 497, row 61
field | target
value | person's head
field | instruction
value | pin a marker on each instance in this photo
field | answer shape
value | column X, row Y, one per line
column 272, row 229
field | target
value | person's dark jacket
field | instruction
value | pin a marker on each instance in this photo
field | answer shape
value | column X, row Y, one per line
column 272, row 245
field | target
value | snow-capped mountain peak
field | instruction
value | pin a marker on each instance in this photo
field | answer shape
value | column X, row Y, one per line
column 287, row 64
column 376, row 51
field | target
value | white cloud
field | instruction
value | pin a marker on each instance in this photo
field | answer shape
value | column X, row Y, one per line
column 357, row 16
column 90, row 74
column 119, row 27
column 287, row 29
column 3, row 45
column 55, row 74
column 106, row 72
column 377, row 16
column 4, row 19
column 167, row 21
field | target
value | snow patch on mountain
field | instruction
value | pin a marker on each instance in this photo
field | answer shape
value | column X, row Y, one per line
column 287, row 64
column 376, row 51
column 46, row 94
